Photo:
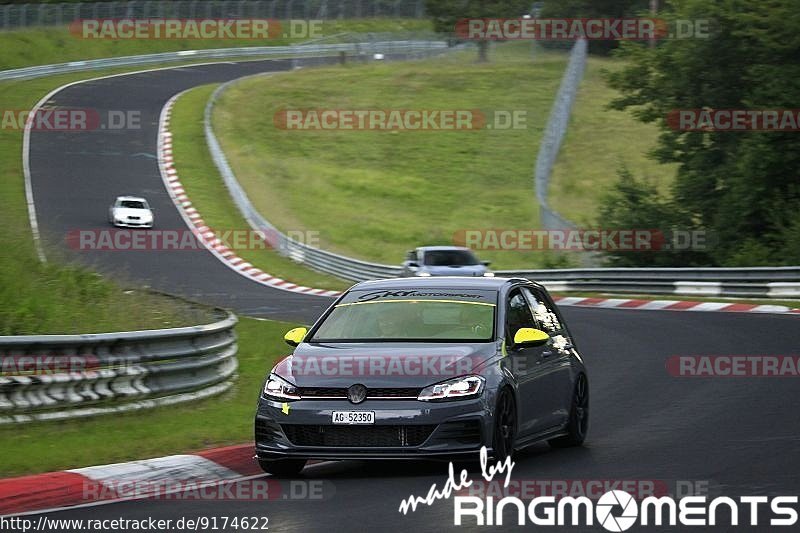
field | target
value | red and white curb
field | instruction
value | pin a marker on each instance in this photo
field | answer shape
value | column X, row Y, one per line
column 672, row 305
column 195, row 221
column 143, row 479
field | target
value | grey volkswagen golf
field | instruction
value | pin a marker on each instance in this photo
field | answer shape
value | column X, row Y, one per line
column 425, row 368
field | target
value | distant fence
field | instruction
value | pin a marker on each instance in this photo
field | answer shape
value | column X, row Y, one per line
column 554, row 133
column 14, row 16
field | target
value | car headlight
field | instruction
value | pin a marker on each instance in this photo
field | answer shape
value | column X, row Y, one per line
column 277, row 388
column 453, row 389
column 423, row 274
column 488, row 274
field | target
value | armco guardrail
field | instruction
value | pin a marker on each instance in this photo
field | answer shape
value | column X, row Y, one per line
column 753, row 282
column 301, row 50
column 742, row 274
column 52, row 377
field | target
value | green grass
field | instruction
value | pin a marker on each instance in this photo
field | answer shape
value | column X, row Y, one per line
column 57, row 45
column 218, row 421
column 375, row 194
column 208, row 194
column 600, row 141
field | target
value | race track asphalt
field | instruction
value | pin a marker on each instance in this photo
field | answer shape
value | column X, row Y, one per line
column 75, row 176
column 735, row 436
column 740, row 436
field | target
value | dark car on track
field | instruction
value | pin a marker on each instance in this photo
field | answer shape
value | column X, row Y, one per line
column 425, row 368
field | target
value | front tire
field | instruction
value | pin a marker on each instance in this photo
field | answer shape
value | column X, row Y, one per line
column 282, row 467
column 505, row 426
column 578, row 417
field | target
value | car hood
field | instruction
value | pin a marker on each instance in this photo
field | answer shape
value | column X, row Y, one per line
column 125, row 212
column 383, row 364
column 470, row 270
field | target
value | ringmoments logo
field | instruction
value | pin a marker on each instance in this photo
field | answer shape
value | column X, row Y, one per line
column 615, row 510
column 618, row 510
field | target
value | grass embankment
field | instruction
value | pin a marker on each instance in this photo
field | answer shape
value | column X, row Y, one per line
column 218, row 421
column 599, row 142
column 209, row 196
column 375, row 194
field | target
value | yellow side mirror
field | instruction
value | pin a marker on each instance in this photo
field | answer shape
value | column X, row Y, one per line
column 530, row 337
column 295, row 336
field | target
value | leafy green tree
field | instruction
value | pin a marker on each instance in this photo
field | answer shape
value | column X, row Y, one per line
column 743, row 186
column 447, row 13
column 636, row 204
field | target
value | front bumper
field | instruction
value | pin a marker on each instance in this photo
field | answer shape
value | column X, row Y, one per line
column 128, row 224
column 403, row 429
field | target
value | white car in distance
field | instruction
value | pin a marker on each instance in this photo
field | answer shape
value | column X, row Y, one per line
column 130, row 212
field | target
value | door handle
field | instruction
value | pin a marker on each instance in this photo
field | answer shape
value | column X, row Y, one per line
column 547, row 353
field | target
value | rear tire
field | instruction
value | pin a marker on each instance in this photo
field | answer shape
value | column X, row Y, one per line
column 505, row 426
column 578, row 417
column 282, row 467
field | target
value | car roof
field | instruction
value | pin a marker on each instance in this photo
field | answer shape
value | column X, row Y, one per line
column 443, row 248
column 132, row 198
column 439, row 282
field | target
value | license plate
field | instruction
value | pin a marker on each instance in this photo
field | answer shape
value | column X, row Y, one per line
column 353, row 417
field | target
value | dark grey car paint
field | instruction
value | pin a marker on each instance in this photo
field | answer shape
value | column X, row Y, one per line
column 542, row 380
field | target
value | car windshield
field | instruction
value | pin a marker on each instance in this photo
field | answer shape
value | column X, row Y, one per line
column 408, row 320
column 450, row 258
column 133, row 204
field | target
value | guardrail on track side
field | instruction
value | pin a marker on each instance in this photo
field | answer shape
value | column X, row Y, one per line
column 300, row 50
column 53, row 377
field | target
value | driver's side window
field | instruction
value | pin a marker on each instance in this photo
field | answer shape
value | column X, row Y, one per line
column 518, row 315
column 542, row 313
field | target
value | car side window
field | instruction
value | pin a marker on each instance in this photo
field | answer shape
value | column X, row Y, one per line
column 542, row 312
column 412, row 256
column 518, row 314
